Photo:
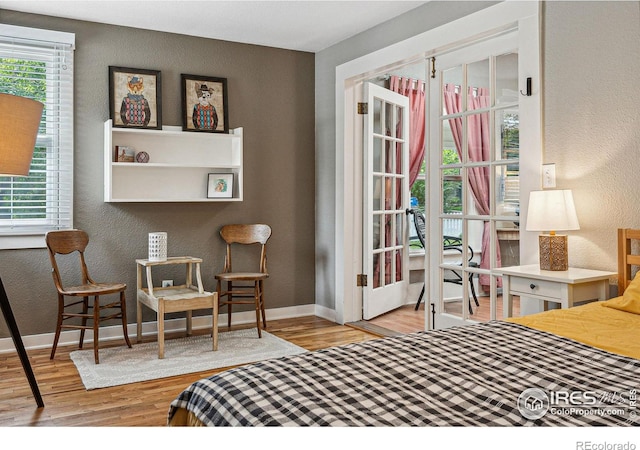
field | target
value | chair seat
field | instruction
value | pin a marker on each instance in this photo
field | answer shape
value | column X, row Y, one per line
column 242, row 276
column 94, row 289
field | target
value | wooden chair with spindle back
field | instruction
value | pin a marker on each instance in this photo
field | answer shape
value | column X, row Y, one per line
column 66, row 242
column 252, row 283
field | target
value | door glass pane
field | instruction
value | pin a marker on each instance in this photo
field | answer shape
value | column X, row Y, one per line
column 377, row 154
column 508, row 192
column 376, row 270
column 388, row 267
column 389, row 197
column 400, row 228
column 478, row 90
column 377, row 116
column 377, row 240
column 451, row 191
column 388, row 230
column 389, row 157
column 478, row 137
column 451, row 285
column 377, row 193
column 507, row 134
column 390, row 119
column 398, row 265
column 400, row 204
column 450, row 145
column 400, row 156
column 507, row 78
column 478, row 198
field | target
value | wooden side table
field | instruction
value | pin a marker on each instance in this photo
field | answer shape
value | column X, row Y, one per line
column 565, row 287
column 184, row 298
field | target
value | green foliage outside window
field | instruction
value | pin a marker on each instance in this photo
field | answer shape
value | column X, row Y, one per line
column 452, row 200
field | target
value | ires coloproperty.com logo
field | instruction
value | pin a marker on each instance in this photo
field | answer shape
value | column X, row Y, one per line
column 535, row 403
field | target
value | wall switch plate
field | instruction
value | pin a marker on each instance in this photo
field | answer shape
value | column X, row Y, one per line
column 167, row 283
column 548, row 175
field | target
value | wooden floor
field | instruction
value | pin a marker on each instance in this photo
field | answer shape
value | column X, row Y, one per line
column 407, row 320
column 67, row 403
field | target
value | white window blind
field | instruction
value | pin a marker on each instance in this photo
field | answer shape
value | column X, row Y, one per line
column 38, row 64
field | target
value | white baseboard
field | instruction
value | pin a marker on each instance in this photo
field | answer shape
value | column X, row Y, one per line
column 150, row 328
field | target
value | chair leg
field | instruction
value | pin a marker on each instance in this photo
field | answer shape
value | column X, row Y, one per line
column 123, row 309
column 420, row 298
column 473, row 290
column 58, row 325
column 85, row 311
column 229, row 299
column 264, row 316
column 96, row 324
column 256, row 297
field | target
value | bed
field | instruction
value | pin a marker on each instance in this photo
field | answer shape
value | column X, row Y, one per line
column 572, row 367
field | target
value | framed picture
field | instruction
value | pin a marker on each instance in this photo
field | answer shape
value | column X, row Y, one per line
column 134, row 98
column 220, row 185
column 204, row 104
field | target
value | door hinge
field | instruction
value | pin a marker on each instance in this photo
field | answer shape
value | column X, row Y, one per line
column 361, row 280
column 363, row 108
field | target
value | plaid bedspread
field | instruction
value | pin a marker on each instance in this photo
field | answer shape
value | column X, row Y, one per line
column 464, row 376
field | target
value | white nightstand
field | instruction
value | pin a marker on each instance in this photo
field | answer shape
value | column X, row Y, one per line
column 564, row 287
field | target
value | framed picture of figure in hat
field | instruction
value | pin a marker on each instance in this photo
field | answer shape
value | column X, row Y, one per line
column 134, row 98
column 204, row 104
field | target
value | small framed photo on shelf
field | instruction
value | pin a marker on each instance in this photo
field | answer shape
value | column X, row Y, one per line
column 204, row 104
column 124, row 154
column 135, row 98
column 220, row 185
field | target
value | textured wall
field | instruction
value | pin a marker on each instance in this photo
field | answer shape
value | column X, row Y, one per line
column 271, row 95
column 592, row 119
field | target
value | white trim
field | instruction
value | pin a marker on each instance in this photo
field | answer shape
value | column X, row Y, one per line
column 432, row 42
column 12, row 242
column 38, row 34
column 113, row 332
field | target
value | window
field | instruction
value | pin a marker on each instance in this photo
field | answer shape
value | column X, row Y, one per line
column 38, row 64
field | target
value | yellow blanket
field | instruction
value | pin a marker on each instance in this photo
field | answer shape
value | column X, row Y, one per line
column 592, row 324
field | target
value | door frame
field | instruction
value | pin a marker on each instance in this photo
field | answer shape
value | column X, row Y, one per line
column 348, row 221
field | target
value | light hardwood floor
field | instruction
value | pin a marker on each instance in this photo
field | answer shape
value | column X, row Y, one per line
column 407, row 320
column 67, row 403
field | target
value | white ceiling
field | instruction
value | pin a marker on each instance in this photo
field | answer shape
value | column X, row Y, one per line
column 296, row 25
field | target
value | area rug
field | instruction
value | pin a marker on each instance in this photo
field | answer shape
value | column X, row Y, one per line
column 122, row 365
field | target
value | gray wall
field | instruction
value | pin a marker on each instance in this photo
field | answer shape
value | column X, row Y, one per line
column 271, row 95
column 590, row 62
column 592, row 119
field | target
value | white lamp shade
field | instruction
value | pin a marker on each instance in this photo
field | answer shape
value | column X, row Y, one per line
column 19, row 122
column 551, row 210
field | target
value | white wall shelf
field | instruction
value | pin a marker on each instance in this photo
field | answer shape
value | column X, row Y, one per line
column 178, row 167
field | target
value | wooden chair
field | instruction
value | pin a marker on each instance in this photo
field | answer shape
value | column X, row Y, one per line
column 448, row 243
column 228, row 290
column 67, row 242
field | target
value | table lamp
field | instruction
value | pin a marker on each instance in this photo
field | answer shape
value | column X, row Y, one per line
column 19, row 122
column 551, row 211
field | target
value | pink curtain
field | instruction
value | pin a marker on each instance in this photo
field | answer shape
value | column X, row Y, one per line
column 414, row 89
column 478, row 146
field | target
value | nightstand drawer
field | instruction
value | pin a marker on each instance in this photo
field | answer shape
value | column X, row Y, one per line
column 532, row 286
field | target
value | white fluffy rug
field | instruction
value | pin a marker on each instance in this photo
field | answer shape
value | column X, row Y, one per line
column 123, row 365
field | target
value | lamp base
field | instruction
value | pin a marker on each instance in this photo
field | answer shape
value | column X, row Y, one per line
column 553, row 252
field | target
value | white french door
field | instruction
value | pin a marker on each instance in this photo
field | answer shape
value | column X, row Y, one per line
column 474, row 177
column 385, row 200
